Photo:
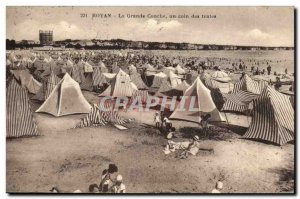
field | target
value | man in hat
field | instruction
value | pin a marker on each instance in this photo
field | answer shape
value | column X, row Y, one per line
column 218, row 188
column 106, row 179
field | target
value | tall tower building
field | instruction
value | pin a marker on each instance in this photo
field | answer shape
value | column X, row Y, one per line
column 46, row 37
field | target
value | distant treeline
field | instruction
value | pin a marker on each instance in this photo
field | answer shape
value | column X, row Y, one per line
column 127, row 44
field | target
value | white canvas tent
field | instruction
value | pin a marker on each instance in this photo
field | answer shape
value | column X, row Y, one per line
column 120, row 86
column 65, row 99
column 203, row 104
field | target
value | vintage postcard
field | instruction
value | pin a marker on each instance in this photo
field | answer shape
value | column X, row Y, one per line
column 150, row 100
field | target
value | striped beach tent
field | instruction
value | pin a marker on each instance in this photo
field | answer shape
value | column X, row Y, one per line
column 52, row 81
column 27, row 80
column 273, row 118
column 109, row 114
column 249, row 85
column 143, row 94
column 94, row 118
column 47, row 87
column 76, row 74
column 87, row 83
column 19, row 118
column 88, row 68
column 115, row 68
column 98, row 78
column 238, row 102
column 245, row 90
column 102, row 67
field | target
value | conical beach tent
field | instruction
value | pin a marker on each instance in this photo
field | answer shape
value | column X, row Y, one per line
column 87, row 83
column 179, row 70
column 273, row 118
column 65, row 99
column 157, row 80
column 238, row 102
column 178, row 90
column 47, row 87
column 243, row 93
column 137, row 80
column 120, row 86
column 27, row 80
column 220, row 76
column 88, row 68
column 98, row 78
column 19, row 118
column 197, row 97
column 94, row 118
column 174, row 79
column 249, row 85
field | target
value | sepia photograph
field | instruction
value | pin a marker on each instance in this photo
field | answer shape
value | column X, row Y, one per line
column 150, row 100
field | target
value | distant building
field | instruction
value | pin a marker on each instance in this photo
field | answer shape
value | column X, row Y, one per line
column 27, row 42
column 46, row 37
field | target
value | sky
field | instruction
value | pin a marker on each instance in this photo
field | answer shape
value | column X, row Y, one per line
column 254, row 26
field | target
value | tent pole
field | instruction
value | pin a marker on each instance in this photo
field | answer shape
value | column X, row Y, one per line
column 247, row 118
column 226, row 119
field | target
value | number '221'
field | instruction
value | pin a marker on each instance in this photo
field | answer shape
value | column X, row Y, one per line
column 83, row 15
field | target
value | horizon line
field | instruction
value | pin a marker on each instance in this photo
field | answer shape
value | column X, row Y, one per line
column 236, row 45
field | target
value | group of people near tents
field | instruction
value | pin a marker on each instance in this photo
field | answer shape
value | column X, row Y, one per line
column 65, row 74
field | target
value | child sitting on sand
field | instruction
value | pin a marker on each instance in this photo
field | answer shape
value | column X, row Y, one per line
column 93, row 188
column 218, row 188
column 119, row 187
column 192, row 149
column 170, row 134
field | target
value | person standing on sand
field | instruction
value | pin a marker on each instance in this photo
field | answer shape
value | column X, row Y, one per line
column 286, row 71
column 157, row 119
column 218, row 188
column 203, row 123
column 162, row 116
column 269, row 68
column 277, row 84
